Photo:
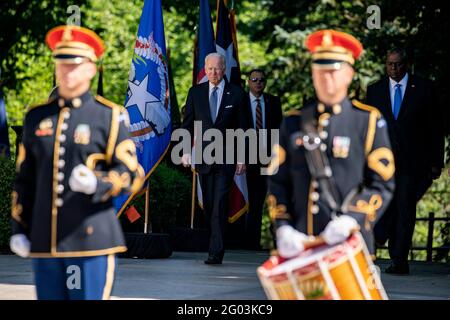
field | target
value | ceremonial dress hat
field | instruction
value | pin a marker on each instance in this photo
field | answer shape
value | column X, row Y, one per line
column 331, row 48
column 73, row 44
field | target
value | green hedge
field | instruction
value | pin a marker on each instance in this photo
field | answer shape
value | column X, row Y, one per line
column 170, row 201
column 7, row 174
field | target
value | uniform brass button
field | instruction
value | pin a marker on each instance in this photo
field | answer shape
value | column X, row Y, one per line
column 315, row 209
column 60, row 188
column 62, row 138
column 60, row 176
column 61, row 163
column 314, row 196
column 89, row 230
column 62, row 150
column 321, row 108
column 76, row 102
column 323, row 135
column 324, row 122
column 337, row 109
column 61, row 102
column 64, row 126
column 66, row 115
column 323, row 147
column 59, row 202
column 315, row 184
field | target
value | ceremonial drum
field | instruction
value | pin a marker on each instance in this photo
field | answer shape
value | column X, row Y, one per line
column 340, row 272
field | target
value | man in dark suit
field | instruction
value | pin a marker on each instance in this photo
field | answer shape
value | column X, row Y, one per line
column 220, row 105
column 409, row 106
column 264, row 112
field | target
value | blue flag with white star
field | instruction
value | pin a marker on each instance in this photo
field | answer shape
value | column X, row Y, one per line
column 147, row 100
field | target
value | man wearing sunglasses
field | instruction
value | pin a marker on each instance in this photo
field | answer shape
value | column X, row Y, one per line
column 265, row 113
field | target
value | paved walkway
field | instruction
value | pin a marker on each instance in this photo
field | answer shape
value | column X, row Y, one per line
column 185, row 276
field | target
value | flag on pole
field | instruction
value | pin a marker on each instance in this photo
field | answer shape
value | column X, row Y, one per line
column 225, row 44
column 227, row 47
column 205, row 41
column 148, row 95
column 4, row 137
column 234, row 35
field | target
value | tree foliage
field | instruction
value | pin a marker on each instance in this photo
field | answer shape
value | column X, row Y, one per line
column 271, row 35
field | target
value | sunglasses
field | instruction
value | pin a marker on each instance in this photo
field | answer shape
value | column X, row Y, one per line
column 261, row 80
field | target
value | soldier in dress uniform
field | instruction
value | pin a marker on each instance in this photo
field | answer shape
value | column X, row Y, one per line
column 75, row 156
column 354, row 183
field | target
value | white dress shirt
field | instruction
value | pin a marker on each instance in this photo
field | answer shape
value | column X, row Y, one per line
column 219, row 92
column 392, row 84
column 253, row 106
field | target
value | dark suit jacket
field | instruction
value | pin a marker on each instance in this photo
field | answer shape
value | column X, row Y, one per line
column 231, row 115
column 273, row 117
column 416, row 136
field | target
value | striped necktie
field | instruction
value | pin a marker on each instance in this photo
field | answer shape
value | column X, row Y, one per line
column 259, row 124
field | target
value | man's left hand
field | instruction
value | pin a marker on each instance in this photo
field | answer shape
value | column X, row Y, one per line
column 240, row 169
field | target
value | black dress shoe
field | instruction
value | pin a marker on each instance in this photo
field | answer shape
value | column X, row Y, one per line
column 397, row 269
column 213, row 260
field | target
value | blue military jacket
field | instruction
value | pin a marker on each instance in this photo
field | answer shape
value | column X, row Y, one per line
column 355, row 138
column 58, row 136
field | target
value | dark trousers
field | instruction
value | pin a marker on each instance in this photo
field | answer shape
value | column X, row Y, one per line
column 398, row 222
column 216, row 186
column 257, row 190
column 84, row 278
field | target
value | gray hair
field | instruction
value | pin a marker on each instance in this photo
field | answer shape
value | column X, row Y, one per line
column 217, row 55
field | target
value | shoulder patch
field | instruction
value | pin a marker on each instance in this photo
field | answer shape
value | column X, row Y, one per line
column 46, row 103
column 366, row 107
column 293, row 112
column 106, row 102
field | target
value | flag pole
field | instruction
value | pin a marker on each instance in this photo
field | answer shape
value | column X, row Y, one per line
column 194, row 183
column 147, row 206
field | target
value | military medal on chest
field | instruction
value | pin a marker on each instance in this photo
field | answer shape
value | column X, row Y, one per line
column 45, row 128
column 341, row 146
column 82, row 134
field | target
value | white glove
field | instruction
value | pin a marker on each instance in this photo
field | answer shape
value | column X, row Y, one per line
column 339, row 229
column 186, row 160
column 290, row 241
column 83, row 180
column 20, row 245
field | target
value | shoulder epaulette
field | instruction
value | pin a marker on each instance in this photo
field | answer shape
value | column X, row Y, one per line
column 366, row 107
column 293, row 112
column 123, row 109
column 31, row 107
column 106, row 102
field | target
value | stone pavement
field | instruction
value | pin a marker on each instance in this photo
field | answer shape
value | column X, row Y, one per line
column 184, row 276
